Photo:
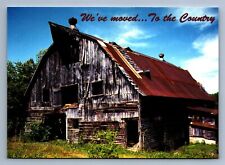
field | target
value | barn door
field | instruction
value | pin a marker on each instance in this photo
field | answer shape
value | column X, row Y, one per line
column 57, row 124
column 132, row 132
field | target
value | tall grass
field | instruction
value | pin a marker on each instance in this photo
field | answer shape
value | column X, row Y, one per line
column 62, row 149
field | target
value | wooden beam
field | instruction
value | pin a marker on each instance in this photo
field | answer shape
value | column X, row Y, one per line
column 106, row 49
column 127, row 63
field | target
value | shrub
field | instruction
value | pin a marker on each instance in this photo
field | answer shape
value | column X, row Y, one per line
column 80, row 140
column 103, row 146
column 39, row 132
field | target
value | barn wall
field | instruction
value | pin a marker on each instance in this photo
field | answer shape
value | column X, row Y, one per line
column 119, row 99
column 164, row 124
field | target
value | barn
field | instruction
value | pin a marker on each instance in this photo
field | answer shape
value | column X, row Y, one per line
column 84, row 84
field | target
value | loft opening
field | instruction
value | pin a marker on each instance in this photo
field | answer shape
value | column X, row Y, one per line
column 46, row 95
column 57, row 98
column 71, row 53
column 69, row 94
column 74, row 52
column 97, row 88
column 75, row 123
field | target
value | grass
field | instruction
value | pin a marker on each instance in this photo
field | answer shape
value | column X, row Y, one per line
column 62, row 149
column 43, row 150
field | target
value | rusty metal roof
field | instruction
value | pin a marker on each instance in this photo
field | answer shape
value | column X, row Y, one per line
column 165, row 79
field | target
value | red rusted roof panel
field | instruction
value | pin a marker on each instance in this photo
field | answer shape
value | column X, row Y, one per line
column 166, row 79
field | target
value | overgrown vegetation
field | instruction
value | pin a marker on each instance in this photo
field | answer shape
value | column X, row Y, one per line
column 19, row 75
column 103, row 145
column 62, row 149
column 53, row 149
column 38, row 133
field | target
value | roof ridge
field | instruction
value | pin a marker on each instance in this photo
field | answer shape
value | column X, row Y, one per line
column 135, row 52
column 153, row 58
column 67, row 28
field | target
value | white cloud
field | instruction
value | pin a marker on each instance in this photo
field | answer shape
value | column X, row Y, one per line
column 126, row 34
column 194, row 12
column 204, row 67
column 132, row 36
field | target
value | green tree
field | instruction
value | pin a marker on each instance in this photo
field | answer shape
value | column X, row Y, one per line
column 216, row 96
column 40, row 54
column 19, row 75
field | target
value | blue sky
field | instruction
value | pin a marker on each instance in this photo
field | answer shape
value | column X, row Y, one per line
column 190, row 45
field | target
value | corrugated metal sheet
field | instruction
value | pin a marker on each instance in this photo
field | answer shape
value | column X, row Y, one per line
column 166, row 80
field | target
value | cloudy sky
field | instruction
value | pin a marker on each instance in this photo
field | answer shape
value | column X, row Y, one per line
column 190, row 45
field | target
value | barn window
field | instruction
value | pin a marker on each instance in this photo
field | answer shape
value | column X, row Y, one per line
column 75, row 123
column 209, row 135
column 46, row 96
column 198, row 132
column 69, row 94
column 74, row 54
column 97, row 88
column 57, row 97
column 70, row 53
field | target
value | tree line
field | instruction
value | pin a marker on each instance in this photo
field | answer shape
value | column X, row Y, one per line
column 19, row 75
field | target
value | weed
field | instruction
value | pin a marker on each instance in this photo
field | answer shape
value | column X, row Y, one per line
column 63, row 149
column 103, row 146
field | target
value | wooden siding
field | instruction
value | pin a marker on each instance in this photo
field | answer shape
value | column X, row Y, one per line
column 118, row 101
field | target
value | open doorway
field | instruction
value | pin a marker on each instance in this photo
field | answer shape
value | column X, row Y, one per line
column 57, row 124
column 132, row 132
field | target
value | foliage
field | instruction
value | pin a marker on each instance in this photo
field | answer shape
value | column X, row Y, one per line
column 39, row 132
column 81, row 139
column 18, row 77
column 106, row 137
column 63, row 149
column 107, row 147
column 198, row 150
column 40, row 54
column 216, row 96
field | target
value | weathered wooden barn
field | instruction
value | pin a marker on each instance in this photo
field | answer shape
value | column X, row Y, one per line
column 84, row 84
